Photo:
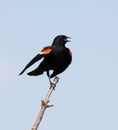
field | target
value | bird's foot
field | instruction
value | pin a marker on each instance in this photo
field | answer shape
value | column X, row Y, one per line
column 52, row 85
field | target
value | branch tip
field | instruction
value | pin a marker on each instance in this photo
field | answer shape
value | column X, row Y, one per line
column 56, row 79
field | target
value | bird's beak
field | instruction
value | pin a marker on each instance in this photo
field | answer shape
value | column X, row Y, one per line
column 68, row 39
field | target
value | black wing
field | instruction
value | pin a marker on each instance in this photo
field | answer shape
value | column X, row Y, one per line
column 35, row 59
column 42, row 54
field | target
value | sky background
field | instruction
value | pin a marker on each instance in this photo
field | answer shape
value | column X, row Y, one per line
column 86, row 97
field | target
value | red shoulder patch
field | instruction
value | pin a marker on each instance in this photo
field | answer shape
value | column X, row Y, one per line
column 70, row 52
column 46, row 51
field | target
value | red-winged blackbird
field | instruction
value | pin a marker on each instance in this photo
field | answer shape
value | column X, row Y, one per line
column 56, row 57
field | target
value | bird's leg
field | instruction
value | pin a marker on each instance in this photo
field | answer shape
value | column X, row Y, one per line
column 48, row 74
column 51, row 84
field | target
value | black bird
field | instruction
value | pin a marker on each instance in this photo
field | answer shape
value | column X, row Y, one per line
column 56, row 57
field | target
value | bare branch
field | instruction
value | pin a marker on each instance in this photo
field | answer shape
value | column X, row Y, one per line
column 44, row 104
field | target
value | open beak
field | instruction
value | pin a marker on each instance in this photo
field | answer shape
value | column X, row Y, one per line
column 68, row 39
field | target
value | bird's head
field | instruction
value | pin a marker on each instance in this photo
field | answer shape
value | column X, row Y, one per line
column 60, row 40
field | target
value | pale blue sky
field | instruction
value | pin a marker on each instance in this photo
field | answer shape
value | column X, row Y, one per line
column 86, row 97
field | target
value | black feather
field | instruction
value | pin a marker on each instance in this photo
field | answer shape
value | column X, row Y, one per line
column 35, row 59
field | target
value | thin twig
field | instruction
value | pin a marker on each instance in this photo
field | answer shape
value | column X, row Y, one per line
column 44, row 104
